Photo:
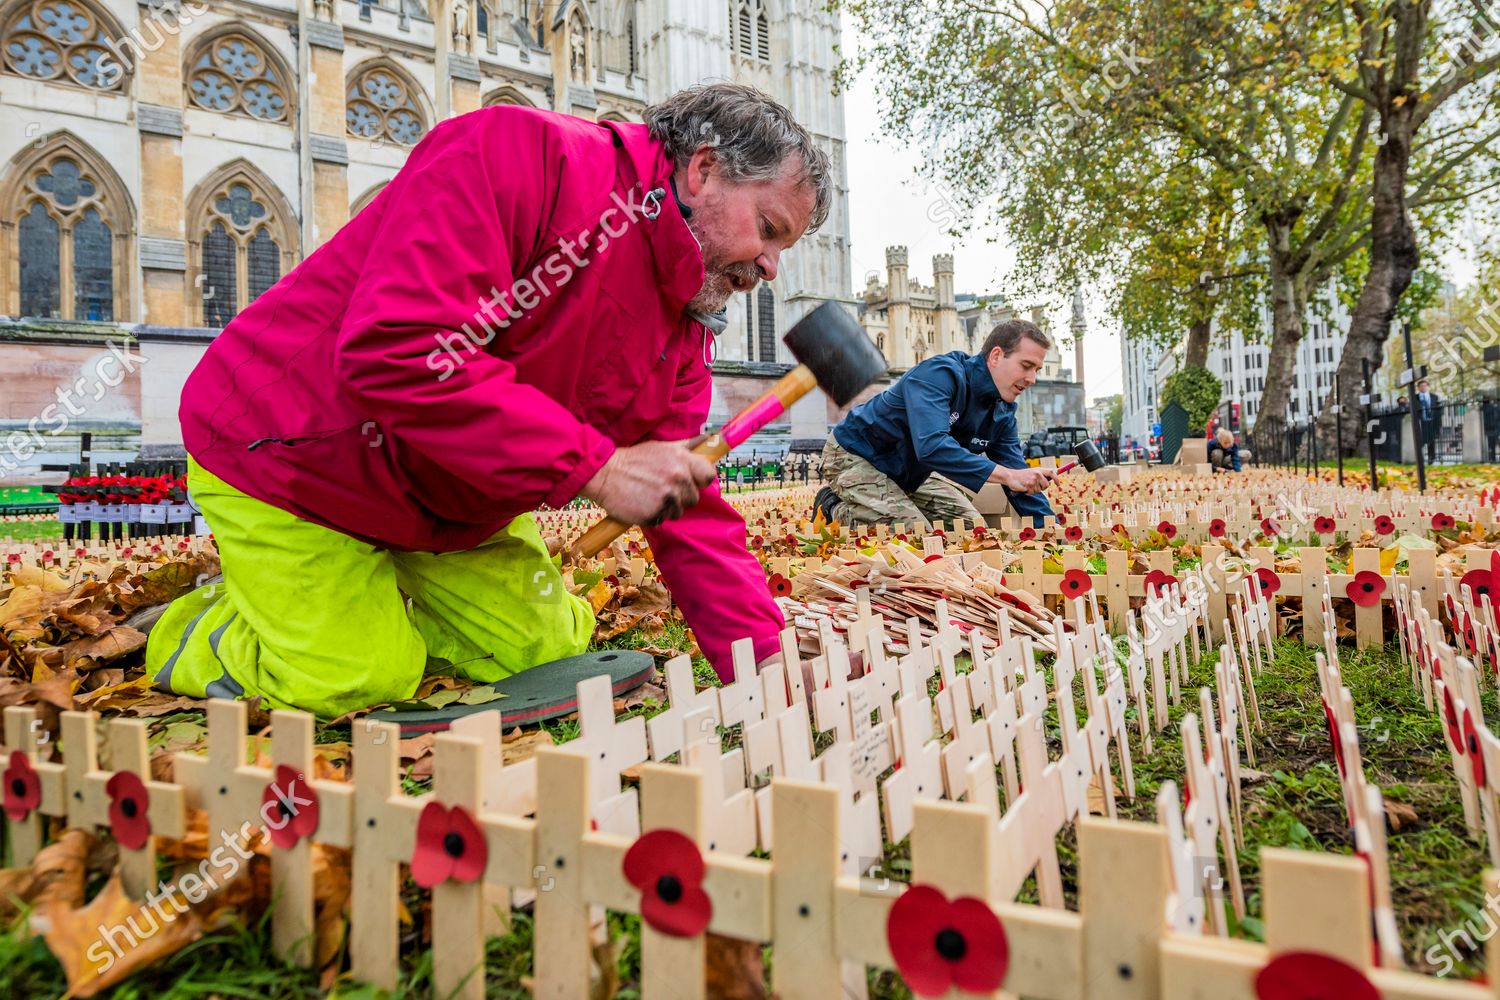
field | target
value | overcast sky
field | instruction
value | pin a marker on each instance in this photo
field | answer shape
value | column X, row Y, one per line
column 889, row 204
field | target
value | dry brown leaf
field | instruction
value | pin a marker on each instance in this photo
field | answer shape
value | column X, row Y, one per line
column 141, row 939
column 116, row 642
column 1400, row 815
column 517, row 748
column 55, row 877
column 735, row 970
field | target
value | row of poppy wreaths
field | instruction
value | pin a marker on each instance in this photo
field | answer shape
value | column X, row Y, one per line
column 937, row 943
column 123, row 489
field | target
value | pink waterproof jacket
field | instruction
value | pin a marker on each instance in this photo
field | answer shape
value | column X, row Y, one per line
column 477, row 342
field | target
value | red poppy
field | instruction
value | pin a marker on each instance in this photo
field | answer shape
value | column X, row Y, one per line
column 1450, row 721
column 1309, row 975
column 1157, row 581
column 1121, row 530
column 126, row 552
column 1334, row 739
column 1470, row 637
column 1028, row 533
column 791, row 539
column 1442, row 522
column 1269, row 527
column 127, row 810
column 780, row 585
column 1168, row 529
column 1073, row 533
column 80, row 552
column 668, row 869
column 1216, row 528
column 940, row 944
column 1365, row 589
column 1474, row 747
column 1076, row 583
column 1268, row 580
column 1481, row 582
column 23, row 789
column 1015, row 601
column 289, row 807
column 757, row 542
column 934, row 557
column 1062, row 518
column 449, row 845
column 14, row 557
column 1325, row 525
column 1384, row 525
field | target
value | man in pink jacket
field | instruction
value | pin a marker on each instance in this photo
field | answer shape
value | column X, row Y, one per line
column 524, row 315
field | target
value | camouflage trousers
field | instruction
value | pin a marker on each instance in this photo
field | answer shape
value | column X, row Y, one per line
column 869, row 496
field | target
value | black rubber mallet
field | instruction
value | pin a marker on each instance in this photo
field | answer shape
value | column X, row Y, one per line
column 833, row 352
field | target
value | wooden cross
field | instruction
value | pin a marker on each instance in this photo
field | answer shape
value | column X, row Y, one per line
column 920, row 775
column 232, row 793
column 664, row 730
column 612, row 747
column 24, row 733
column 88, row 803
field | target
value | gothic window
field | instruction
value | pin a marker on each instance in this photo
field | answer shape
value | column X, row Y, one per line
column 242, row 247
column 750, row 29
column 68, row 266
column 484, row 24
column 65, row 41
column 765, row 322
column 382, row 105
column 233, row 74
column 619, row 37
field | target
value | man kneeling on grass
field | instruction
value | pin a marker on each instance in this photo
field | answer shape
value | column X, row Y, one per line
column 524, row 315
column 950, row 419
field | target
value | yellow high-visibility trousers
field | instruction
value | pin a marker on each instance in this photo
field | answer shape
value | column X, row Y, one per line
column 311, row 618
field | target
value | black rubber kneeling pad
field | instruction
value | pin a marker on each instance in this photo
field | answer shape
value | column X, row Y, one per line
column 546, row 691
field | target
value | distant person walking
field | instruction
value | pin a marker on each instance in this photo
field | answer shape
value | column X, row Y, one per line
column 1429, row 413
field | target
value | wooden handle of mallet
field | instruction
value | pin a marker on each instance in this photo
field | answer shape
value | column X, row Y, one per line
column 788, row 389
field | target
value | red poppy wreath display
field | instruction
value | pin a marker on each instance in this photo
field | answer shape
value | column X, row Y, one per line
column 668, row 869
column 1308, row 975
column 939, row 943
column 23, row 790
column 290, row 807
column 1365, row 589
column 127, row 810
column 449, row 845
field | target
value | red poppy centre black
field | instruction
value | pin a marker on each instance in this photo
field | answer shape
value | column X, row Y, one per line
column 453, row 844
column 128, row 807
column 17, row 786
column 669, row 888
column 950, row 944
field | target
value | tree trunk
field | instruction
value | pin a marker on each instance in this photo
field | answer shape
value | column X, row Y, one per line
column 1393, row 261
column 1288, row 306
column 1197, row 344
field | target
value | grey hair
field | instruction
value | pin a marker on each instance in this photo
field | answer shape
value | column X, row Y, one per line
column 752, row 134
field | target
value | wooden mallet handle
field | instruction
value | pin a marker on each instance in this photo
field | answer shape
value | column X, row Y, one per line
column 788, row 389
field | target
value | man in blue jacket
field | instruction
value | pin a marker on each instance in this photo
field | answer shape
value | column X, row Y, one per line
column 953, row 415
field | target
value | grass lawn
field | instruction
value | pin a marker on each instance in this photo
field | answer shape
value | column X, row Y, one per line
column 1291, row 799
